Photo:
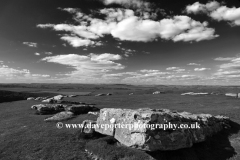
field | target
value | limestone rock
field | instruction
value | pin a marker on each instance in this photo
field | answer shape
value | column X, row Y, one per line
column 30, row 98
column 60, row 116
column 231, row 95
column 156, row 138
column 48, row 108
column 81, row 109
column 58, row 97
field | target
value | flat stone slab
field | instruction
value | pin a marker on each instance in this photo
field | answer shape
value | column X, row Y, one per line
column 65, row 115
column 157, row 138
column 48, row 108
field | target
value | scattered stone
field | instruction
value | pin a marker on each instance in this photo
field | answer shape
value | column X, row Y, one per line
column 109, row 94
column 30, row 98
column 130, row 94
column 94, row 113
column 152, row 139
column 44, row 109
column 158, row 92
column 49, row 100
column 59, row 97
column 232, row 95
column 81, row 109
column 72, row 96
column 101, row 94
column 65, row 115
column 192, row 93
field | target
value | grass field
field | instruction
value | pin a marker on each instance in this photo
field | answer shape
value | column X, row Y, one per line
column 24, row 135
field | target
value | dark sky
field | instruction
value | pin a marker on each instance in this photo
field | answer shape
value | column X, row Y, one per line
column 120, row 41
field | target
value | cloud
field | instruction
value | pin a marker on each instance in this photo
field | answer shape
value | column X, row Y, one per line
column 37, row 54
column 130, row 3
column 198, row 7
column 227, row 14
column 148, row 71
column 48, row 53
column 201, row 69
column 233, row 64
column 194, row 64
column 224, row 58
column 77, row 42
column 216, row 11
column 30, row 44
column 87, row 68
column 124, row 25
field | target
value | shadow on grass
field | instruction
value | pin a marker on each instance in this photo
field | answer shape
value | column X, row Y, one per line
column 217, row 147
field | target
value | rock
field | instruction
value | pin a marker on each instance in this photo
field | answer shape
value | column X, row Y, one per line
column 232, row 94
column 49, row 100
column 109, row 94
column 188, row 93
column 94, row 113
column 81, row 109
column 30, row 98
column 72, row 96
column 130, row 94
column 65, row 115
column 59, row 97
column 48, row 108
column 151, row 138
column 158, row 92
column 101, row 94
column 192, row 93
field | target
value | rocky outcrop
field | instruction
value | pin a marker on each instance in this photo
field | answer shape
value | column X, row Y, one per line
column 81, row 109
column 58, row 97
column 65, row 115
column 144, row 128
column 48, row 108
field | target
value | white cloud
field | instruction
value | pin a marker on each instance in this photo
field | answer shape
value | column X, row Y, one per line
column 194, row 64
column 148, row 71
column 37, row 54
column 88, row 67
column 129, row 3
column 77, row 42
column 48, row 53
column 30, row 44
column 123, row 24
column 216, row 11
column 224, row 58
column 201, row 69
column 198, row 7
column 227, row 14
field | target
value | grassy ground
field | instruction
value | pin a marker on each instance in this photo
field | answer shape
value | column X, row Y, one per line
column 24, row 135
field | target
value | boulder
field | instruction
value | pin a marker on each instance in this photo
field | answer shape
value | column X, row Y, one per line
column 130, row 131
column 48, row 108
column 130, row 94
column 58, row 97
column 231, row 95
column 94, row 113
column 109, row 94
column 30, row 98
column 65, row 115
column 158, row 92
column 81, row 109
column 49, row 100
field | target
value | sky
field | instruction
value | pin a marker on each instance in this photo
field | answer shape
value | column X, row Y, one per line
column 162, row 42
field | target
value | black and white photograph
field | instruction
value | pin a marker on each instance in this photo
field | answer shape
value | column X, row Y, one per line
column 119, row 79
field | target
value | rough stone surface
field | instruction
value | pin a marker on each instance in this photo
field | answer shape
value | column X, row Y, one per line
column 58, row 97
column 81, row 109
column 30, row 98
column 158, row 139
column 232, row 94
column 48, row 108
column 60, row 116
